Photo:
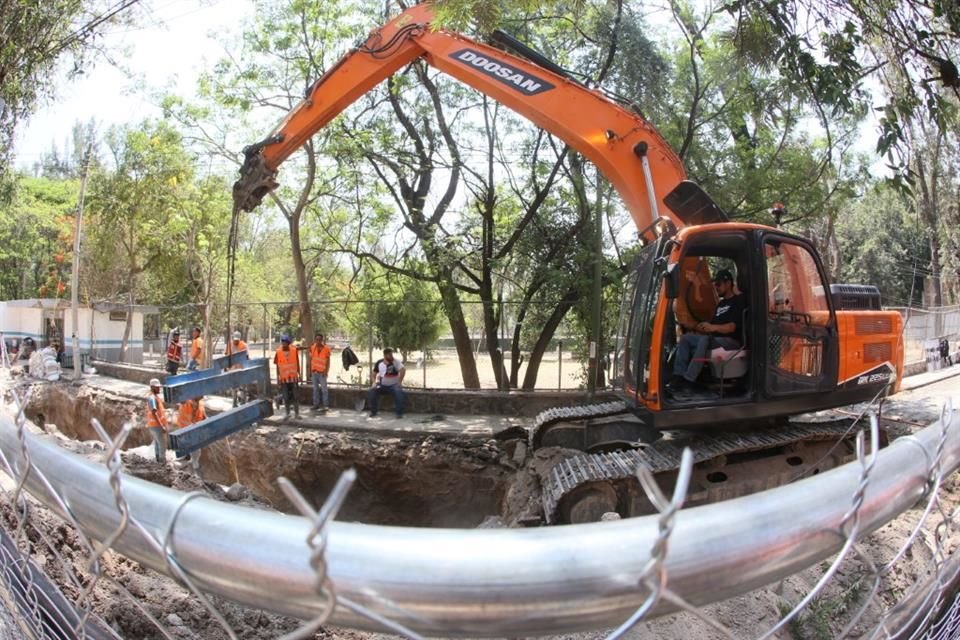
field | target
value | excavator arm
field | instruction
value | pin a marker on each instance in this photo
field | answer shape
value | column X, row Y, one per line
column 628, row 150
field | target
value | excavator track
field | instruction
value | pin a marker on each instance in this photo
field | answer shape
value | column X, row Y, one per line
column 549, row 417
column 580, row 488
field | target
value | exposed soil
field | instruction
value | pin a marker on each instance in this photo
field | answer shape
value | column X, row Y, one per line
column 421, row 481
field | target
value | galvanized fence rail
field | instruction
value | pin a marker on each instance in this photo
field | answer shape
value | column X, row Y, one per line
column 477, row 583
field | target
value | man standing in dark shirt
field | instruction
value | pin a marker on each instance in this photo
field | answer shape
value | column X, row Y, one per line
column 723, row 330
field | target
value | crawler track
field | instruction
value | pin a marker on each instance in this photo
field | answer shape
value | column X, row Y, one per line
column 730, row 463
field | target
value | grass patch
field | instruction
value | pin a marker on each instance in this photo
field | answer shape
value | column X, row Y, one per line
column 814, row 622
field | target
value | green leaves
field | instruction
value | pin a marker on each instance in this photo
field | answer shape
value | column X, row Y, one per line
column 34, row 37
column 36, row 238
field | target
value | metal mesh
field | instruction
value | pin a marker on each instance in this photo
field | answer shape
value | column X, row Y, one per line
column 62, row 572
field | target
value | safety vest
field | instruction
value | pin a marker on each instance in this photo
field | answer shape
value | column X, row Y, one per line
column 287, row 365
column 161, row 413
column 232, row 349
column 173, row 351
column 240, row 346
column 190, row 411
column 320, row 359
column 196, row 348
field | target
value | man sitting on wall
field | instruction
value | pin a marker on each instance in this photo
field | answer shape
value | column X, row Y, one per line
column 388, row 378
column 722, row 331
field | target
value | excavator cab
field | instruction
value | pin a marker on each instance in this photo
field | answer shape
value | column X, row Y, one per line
column 786, row 358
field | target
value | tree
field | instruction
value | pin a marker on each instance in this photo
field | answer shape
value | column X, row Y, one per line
column 136, row 209
column 34, row 38
column 36, row 238
column 398, row 310
column 884, row 244
column 287, row 46
column 854, row 41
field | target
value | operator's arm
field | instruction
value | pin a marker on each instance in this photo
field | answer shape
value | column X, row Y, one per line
column 725, row 328
column 721, row 323
column 401, row 373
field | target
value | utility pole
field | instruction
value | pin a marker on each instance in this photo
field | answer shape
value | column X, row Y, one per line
column 75, row 274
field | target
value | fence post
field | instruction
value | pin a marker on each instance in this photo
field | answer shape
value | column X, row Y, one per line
column 370, row 354
column 559, row 365
column 266, row 330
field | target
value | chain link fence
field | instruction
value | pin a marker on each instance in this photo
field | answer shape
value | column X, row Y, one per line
column 84, row 546
column 924, row 329
column 417, row 330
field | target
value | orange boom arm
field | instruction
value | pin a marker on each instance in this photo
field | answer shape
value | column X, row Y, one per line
column 618, row 141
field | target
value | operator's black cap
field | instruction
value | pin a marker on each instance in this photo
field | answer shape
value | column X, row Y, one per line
column 723, row 275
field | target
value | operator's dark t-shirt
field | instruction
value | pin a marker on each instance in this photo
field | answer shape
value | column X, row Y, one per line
column 731, row 310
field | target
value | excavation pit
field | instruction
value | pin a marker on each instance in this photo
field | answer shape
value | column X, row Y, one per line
column 419, row 480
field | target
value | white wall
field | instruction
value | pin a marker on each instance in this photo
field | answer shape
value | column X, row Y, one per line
column 97, row 334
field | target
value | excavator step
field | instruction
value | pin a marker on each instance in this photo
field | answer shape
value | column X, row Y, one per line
column 205, row 432
column 210, row 381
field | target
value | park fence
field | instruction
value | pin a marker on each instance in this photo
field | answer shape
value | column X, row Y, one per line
column 417, row 582
column 418, row 330
column 431, row 357
column 925, row 329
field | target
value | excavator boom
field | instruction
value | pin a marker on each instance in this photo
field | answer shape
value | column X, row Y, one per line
column 626, row 148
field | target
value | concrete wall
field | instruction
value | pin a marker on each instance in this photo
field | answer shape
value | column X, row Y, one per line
column 97, row 334
column 107, row 337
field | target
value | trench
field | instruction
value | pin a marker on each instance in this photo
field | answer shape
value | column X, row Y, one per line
column 419, row 481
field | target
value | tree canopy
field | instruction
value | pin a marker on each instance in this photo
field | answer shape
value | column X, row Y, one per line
column 426, row 190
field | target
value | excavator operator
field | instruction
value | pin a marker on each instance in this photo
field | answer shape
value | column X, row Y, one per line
column 723, row 331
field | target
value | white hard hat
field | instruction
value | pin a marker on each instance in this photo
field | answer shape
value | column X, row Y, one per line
column 154, row 382
column 236, row 335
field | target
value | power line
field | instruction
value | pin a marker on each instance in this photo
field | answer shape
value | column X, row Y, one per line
column 90, row 26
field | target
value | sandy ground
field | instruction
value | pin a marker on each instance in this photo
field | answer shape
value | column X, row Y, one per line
column 751, row 615
column 442, row 370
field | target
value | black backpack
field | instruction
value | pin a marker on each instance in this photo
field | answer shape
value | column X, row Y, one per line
column 349, row 358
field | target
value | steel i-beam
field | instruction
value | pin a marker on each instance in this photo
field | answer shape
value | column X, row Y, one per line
column 201, row 434
column 209, row 381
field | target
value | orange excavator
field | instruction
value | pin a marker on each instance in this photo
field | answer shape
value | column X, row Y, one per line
column 798, row 344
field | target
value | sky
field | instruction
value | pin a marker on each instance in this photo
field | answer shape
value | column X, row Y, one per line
column 167, row 51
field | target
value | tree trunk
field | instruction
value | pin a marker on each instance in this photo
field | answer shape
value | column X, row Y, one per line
column 300, row 270
column 461, row 335
column 128, row 325
column 549, row 328
column 490, row 325
column 516, row 358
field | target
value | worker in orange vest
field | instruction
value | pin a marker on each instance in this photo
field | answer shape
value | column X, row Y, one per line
column 157, row 420
column 319, row 367
column 288, row 373
column 189, row 412
column 174, row 352
column 235, row 346
column 196, row 350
